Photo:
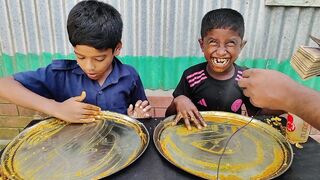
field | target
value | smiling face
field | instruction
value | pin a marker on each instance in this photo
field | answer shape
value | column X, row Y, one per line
column 97, row 64
column 221, row 48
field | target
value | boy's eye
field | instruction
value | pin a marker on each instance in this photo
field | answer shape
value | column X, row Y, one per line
column 100, row 58
column 231, row 44
column 214, row 43
column 80, row 57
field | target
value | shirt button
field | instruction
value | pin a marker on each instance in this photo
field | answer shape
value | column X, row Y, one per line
column 100, row 92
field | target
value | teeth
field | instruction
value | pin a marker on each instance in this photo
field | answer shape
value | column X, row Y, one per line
column 220, row 61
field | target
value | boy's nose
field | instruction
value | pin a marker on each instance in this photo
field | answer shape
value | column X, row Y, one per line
column 221, row 51
column 89, row 66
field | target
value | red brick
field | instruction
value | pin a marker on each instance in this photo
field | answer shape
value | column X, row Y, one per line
column 152, row 112
column 28, row 112
column 160, row 112
column 160, row 101
column 8, row 109
column 14, row 121
column 2, row 101
column 8, row 133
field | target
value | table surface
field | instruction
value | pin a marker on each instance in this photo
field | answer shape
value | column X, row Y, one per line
column 151, row 165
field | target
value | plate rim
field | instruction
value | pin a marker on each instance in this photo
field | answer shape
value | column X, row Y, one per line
column 166, row 122
column 43, row 121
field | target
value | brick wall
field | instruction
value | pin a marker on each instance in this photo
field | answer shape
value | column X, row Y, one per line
column 159, row 105
column 13, row 119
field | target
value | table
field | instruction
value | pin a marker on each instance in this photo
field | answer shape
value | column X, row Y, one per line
column 151, row 165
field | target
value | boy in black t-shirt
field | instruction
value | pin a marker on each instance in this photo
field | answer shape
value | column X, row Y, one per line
column 213, row 85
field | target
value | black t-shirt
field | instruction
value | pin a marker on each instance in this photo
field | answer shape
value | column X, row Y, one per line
column 209, row 94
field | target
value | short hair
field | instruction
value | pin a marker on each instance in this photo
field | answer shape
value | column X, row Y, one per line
column 223, row 18
column 95, row 24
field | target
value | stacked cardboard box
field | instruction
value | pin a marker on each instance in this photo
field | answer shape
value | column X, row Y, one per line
column 306, row 60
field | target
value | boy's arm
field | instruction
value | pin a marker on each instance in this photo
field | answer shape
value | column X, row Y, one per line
column 184, row 107
column 140, row 110
column 187, row 111
column 181, row 89
column 171, row 109
column 139, row 106
column 71, row 110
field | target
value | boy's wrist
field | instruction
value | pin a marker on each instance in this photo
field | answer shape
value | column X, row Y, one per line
column 52, row 108
column 179, row 98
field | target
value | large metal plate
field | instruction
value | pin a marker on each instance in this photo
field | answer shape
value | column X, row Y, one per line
column 257, row 151
column 54, row 149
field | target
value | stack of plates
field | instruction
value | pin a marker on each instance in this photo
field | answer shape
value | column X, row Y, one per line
column 306, row 61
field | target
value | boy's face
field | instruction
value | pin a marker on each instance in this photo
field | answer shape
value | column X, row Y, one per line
column 221, row 47
column 97, row 64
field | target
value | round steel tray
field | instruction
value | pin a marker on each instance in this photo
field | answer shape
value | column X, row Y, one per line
column 257, row 151
column 54, row 149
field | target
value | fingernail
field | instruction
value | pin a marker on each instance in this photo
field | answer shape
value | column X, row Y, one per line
column 144, row 110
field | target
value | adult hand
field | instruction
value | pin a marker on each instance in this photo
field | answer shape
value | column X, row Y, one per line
column 187, row 111
column 73, row 110
column 267, row 88
column 140, row 110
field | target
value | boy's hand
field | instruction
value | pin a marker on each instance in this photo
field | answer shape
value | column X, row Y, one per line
column 244, row 111
column 140, row 110
column 74, row 110
column 187, row 111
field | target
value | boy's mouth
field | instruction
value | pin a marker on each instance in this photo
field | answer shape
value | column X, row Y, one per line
column 219, row 61
column 92, row 75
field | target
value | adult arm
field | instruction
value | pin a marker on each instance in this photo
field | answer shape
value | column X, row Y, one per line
column 72, row 110
column 274, row 90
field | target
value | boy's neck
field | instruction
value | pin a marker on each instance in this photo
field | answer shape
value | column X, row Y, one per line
column 105, row 76
column 222, row 75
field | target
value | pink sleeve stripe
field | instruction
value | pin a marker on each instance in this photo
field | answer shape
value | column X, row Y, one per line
column 197, row 82
column 196, row 73
column 196, row 78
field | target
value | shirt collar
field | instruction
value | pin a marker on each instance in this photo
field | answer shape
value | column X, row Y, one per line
column 117, row 72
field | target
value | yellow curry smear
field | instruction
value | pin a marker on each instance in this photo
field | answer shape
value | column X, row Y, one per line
column 35, row 136
column 168, row 146
column 43, row 132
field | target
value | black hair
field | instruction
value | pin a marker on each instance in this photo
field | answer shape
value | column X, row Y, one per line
column 95, row 24
column 223, row 18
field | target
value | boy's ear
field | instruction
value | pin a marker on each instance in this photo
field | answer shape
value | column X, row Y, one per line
column 200, row 40
column 117, row 49
column 244, row 42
